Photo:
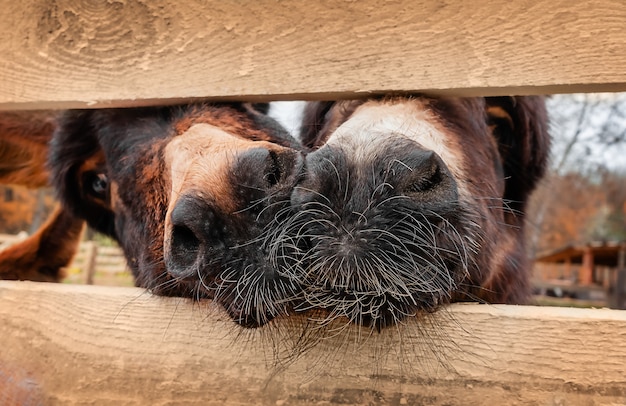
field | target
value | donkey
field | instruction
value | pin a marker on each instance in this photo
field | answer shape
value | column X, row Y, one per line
column 408, row 203
column 24, row 138
column 190, row 192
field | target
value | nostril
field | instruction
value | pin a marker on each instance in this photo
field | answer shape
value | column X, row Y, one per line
column 426, row 176
column 194, row 236
column 273, row 169
column 429, row 176
column 258, row 170
column 184, row 251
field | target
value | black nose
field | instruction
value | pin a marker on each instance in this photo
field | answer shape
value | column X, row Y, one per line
column 196, row 233
column 333, row 177
column 262, row 169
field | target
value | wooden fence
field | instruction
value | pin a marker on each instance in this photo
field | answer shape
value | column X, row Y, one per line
column 98, row 264
column 64, row 344
column 93, row 263
column 8, row 239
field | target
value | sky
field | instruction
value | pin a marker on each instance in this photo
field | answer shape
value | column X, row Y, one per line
column 597, row 122
column 288, row 113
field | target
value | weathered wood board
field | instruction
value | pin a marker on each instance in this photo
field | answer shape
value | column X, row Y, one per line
column 65, row 53
column 63, row 344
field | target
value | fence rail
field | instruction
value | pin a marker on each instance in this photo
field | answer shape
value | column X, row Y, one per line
column 93, row 263
column 146, row 52
column 8, row 239
column 101, row 345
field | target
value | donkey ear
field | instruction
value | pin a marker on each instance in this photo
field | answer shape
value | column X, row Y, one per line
column 520, row 125
column 24, row 138
column 315, row 123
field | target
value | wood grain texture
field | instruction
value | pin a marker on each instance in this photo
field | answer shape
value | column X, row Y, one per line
column 64, row 344
column 65, row 53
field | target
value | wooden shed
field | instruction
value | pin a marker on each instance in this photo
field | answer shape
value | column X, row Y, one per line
column 601, row 264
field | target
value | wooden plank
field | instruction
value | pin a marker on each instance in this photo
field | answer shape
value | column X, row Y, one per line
column 8, row 239
column 113, row 268
column 93, row 345
column 91, row 255
column 114, row 251
column 65, row 53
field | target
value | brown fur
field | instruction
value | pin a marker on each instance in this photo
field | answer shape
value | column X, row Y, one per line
column 24, row 138
column 42, row 256
column 239, row 125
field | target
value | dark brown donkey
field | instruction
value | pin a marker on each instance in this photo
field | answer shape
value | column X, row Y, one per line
column 411, row 202
column 192, row 194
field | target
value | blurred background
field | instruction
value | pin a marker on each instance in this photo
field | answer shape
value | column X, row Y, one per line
column 577, row 217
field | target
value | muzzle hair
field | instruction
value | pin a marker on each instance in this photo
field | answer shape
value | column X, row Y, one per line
column 374, row 267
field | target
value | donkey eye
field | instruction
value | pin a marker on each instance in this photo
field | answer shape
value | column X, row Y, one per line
column 100, row 184
column 96, row 184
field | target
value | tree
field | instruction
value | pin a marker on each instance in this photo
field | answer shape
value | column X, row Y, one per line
column 583, row 196
column 589, row 132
